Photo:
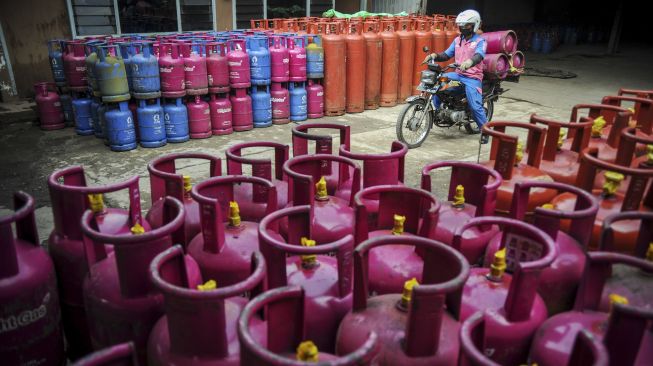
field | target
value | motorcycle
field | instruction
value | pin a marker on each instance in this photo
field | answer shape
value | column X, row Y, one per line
column 419, row 114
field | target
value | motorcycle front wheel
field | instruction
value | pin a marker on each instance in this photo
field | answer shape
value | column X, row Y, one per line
column 414, row 124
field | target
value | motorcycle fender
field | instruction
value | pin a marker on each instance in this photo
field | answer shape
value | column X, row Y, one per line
column 413, row 98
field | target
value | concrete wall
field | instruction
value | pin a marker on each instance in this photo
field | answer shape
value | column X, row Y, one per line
column 28, row 24
column 223, row 9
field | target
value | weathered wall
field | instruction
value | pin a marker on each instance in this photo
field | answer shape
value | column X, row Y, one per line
column 223, row 9
column 28, row 24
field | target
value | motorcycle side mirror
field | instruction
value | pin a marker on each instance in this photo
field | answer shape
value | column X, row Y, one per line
column 425, row 49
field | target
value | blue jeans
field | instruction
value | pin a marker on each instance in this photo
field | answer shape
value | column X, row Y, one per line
column 473, row 91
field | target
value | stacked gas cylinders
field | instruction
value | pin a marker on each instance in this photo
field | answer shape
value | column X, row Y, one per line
column 502, row 58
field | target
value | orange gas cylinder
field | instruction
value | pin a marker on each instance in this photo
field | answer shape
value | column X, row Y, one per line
column 406, row 47
column 451, row 31
column 261, row 24
column 557, row 161
column 374, row 54
column 611, row 201
column 642, row 117
column 335, row 72
column 507, row 158
column 390, row 64
column 355, row 68
column 438, row 39
column 422, row 39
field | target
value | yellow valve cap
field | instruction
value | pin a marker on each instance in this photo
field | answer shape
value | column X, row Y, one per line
column 649, row 154
column 631, row 109
column 137, row 229
column 612, row 181
column 307, row 351
column 234, row 213
column 519, row 153
column 548, row 206
column 459, row 197
column 498, row 266
column 649, row 252
column 597, row 126
column 617, row 299
column 408, row 291
column 321, row 188
column 311, row 258
column 97, row 202
column 398, row 227
column 208, row 286
column 561, row 138
column 187, row 185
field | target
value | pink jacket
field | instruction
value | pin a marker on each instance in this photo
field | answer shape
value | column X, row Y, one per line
column 465, row 51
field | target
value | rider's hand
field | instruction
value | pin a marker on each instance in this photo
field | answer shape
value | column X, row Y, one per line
column 428, row 57
column 466, row 65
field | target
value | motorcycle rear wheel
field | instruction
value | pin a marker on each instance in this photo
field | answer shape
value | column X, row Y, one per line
column 414, row 124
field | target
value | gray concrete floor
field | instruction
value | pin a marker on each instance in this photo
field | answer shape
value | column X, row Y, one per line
column 28, row 155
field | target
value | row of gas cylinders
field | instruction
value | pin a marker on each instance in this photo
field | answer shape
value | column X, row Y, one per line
column 338, row 251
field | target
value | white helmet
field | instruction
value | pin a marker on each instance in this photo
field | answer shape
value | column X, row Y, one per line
column 469, row 16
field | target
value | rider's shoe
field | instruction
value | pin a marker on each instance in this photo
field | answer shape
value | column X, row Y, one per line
column 484, row 139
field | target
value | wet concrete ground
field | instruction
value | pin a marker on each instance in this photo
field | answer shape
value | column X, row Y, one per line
column 28, row 155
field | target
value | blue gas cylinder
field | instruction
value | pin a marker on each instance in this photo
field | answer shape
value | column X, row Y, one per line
column 175, row 116
column 55, row 54
column 151, row 127
column 67, row 108
column 82, row 114
column 536, row 44
column 120, row 127
column 259, row 60
column 298, row 101
column 127, row 52
column 547, row 43
column 95, row 117
column 314, row 57
column 145, row 72
column 261, row 106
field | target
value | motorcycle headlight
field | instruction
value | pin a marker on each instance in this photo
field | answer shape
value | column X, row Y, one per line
column 428, row 77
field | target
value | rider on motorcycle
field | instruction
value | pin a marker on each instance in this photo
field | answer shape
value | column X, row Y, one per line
column 469, row 51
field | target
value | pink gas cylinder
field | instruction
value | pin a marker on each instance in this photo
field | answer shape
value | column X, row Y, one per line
column 171, row 71
column 507, row 158
column 587, row 350
column 120, row 301
column 298, row 260
column 30, row 331
column 402, row 211
column 303, row 133
column 165, row 181
column 279, row 60
column 628, row 155
column 558, row 283
column 623, row 330
column 315, row 93
column 221, row 114
column 288, row 343
column 48, row 105
column 512, row 300
column 413, row 327
column 70, row 197
column 195, row 73
column 642, row 117
column 332, row 212
column 199, row 118
column 379, row 169
column 217, row 67
column 280, row 104
column 239, row 73
column 241, row 110
column 224, row 248
column 254, row 198
column 199, row 325
column 472, row 193
column 120, row 354
column 74, row 63
column 297, row 58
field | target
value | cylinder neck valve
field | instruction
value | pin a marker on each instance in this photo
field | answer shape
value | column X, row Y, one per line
column 459, row 197
column 137, row 229
column 649, row 252
column 234, row 214
column 519, row 153
column 597, row 126
column 187, row 184
column 321, row 193
column 398, row 227
column 561, row 139
column 407, row 294
column 498, row 266
column 617, row 299
column 310, row 260
column 208, row 285
column 612, row 181
column 307, row 351
column 649, row 154
column 97, row 202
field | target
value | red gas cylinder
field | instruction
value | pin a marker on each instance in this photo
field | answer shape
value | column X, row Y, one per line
column 225, row 245
column 389, row 64
column 279, row 60
column 221, row 114
column 422, row 39
column 241, row 110
column 194, row 55
column 401, row 211
column 406, row 52
column 296, row 260
column 30, row 329
column 472, row 193
column 451, row 32
column 120, row 301
column 413, row 328
column 623, row 330
column 335, row 70
column 355, row 68
column 558, row 283
column 586, row 351
column 171, row 71
column 48, row 105
column 315, row 93
column 611, row 200
column 559, row 162
column 166, row 181
column 332, row 213
column 438, row 38
column 239, row 73
column 120, row 354
column 280, row 103
column 217, row 67
column 70, row 197
column 199, row 325
column 374, row 53
column 506, row 154
column 512, row 302
column 642, row 117
column 199, row 118
column 286, row 333
column 74, row 63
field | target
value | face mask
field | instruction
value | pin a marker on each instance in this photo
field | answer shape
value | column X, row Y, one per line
column 465, row 32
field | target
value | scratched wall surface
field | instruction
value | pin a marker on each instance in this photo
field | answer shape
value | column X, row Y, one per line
column 28, row 24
